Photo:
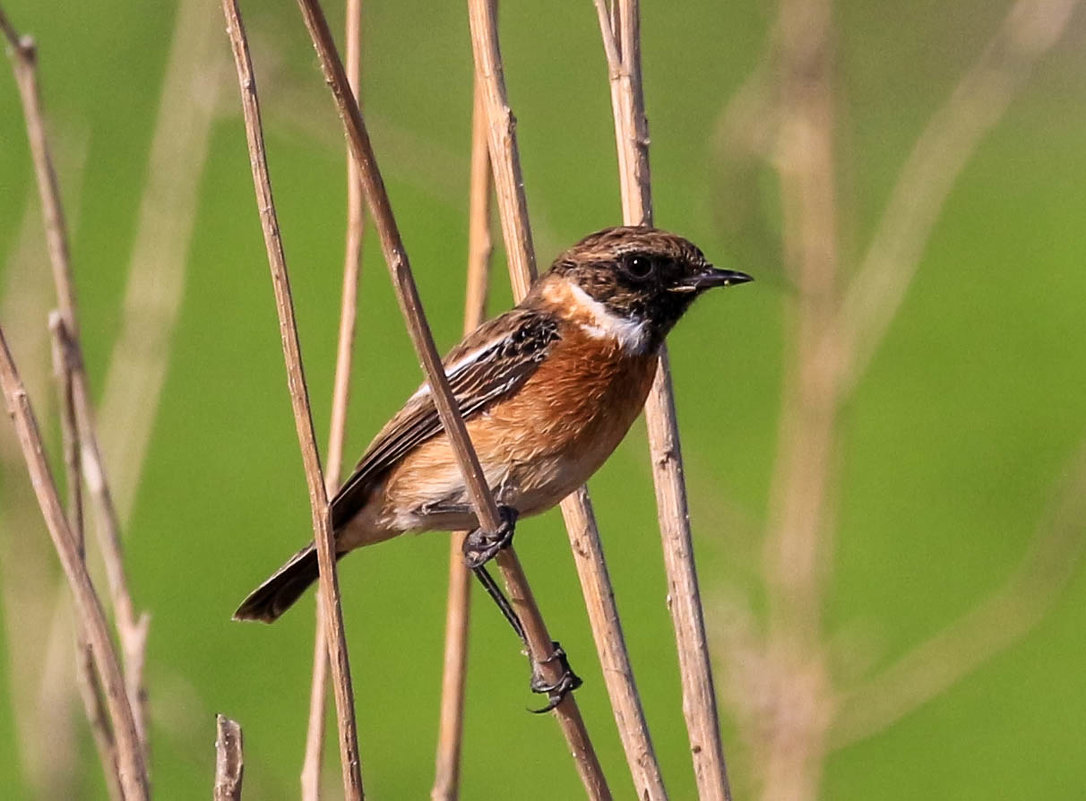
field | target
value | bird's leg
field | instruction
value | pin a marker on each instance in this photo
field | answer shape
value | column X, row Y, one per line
column 496, row 595
column 555, row 691
column 480, row 546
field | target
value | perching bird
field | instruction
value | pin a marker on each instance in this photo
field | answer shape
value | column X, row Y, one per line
column 547, row 390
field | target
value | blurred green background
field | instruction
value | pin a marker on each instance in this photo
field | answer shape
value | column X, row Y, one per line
column 948, row 455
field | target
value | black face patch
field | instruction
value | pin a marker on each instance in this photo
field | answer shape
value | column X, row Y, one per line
column 637, row 273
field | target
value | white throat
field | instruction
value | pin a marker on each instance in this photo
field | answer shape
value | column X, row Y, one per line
column 602, row 323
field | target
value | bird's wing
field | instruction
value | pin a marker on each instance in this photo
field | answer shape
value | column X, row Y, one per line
column 490, row 363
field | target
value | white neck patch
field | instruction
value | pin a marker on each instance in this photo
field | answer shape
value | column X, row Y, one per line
column 631, row 335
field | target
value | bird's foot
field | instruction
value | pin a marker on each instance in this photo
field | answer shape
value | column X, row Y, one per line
column 481, row 546
column 558, row 689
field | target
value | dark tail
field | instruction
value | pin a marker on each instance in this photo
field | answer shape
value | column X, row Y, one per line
column 276, row 595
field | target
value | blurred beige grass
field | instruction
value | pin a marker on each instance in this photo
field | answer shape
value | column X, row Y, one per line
column 792, row 711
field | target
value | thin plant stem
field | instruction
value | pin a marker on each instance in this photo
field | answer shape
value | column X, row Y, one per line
column 90, row 690
column 1053, row 558
column 341, row 393
column 599, row 596
column 189, row 104
column 504, row 153
column 47, row 754
column 621, row 32
column 352, row 264
column 800, row 529
column 303, row 420
column 480, row 243
column 868, row 309
column 229, row 760
column 458, row 608
column 949, row 140
column 62, row 372
column 837, row 331
column 131, row 629
column 540, row 645
column 577, row 511
column 132, row 771
column 314, row 735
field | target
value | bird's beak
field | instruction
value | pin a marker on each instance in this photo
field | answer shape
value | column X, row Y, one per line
column 711, row 278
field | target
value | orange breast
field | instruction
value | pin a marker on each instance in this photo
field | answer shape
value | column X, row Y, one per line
column 540, row 444
column 580, row 403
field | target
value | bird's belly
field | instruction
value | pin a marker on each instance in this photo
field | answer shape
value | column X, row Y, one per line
column 533, row 486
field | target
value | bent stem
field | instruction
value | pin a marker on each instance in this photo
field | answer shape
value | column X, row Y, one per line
column 341, row 392
column 131, row 628
column 90, row 689
column 132, row 770
column 458, row 609
column 303, row 420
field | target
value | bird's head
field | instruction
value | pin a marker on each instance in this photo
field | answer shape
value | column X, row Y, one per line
column 644, row 277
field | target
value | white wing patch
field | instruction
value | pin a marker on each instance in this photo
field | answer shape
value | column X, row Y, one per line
column 458, row 365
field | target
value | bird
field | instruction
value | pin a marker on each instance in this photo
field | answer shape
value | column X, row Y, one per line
column 547, row 391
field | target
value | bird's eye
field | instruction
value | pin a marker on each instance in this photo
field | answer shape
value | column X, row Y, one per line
column 638, row 267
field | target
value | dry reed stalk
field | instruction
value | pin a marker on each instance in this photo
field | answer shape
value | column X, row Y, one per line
column 504, row 154
column 480, row 243
column 599, row 597
column 872, row 301
column 90, row 693
column 620, row 29
column 621, row 32
column 303, row 421
column 46, row 754
column 62, row 373
column 132, row 771
column 188, row 106
column 63, row 673
column 352, row 264
column 540, row 645
column 318, row 696
column 54, row 701
column 458, row 607
column 341, row 394
column 949, row 140
column 577, row 511
column 796, row 543
column 90, row 689
column 131, row 629
column 1052, row 560
column 846, row 330
column 806, row 716
column 229, row 760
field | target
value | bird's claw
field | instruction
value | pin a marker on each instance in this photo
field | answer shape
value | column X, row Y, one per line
column 480, row 546
column 556, row 690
